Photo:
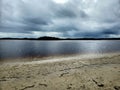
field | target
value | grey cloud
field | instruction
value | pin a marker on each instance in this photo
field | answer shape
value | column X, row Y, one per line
column 36, row 21
column 68, row 13
column 65, row 13
column 76, row 18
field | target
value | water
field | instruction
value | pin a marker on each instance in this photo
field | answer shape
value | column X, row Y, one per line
column 27, row 48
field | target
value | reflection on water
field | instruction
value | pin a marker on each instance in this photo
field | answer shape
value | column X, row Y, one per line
column 21, row 48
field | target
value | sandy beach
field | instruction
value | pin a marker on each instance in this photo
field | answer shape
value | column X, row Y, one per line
column 76, row 72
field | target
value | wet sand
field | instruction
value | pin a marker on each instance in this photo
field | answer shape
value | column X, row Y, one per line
column 76, row 72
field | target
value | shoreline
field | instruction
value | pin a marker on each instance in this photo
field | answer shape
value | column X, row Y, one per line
column 75, row 72
column 56, row 58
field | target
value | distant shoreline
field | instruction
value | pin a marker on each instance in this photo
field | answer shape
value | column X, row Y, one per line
column 57, row 38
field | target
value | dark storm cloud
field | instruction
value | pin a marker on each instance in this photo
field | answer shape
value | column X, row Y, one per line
column 65, row 13
column 75, row 18
column 107, row 32
column 68, row 13
column 36, row 21
column 66, row 28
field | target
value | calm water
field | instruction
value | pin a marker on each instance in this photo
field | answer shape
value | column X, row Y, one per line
column 21, row 48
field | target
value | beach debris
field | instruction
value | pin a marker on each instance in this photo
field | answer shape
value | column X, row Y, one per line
column 69, row 86
column 31, row 86
column 61, row 75
column 2, row 80
column 98, row 84
column 45, row 85
column 117, row 87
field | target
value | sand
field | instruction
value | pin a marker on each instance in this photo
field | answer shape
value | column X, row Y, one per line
column 76, row 72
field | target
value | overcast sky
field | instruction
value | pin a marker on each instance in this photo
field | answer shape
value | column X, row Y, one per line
column 61, row 18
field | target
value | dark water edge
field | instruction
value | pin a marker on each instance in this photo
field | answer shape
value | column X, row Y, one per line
column 18, row 49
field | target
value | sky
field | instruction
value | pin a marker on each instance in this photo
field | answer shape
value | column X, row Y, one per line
column 60, row 18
